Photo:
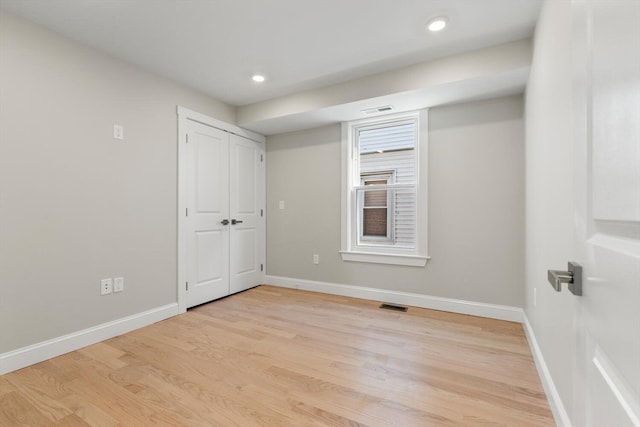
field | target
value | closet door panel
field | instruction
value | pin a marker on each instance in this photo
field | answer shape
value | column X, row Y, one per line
column 208, row 205
column 246, row 201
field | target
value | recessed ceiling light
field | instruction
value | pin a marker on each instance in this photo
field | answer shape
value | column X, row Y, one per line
column 437, row 24
column 258, row 78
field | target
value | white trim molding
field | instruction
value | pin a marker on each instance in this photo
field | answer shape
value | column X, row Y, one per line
column 410, row 260
column 351, row 247
column 555, row 403
column 36, row 353
column 493, row 311
column 219, row 124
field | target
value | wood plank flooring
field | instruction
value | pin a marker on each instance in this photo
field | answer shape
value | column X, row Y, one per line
column 280, row 357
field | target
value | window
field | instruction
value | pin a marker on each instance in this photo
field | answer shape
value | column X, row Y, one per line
column 376, row 208
column 383, row 209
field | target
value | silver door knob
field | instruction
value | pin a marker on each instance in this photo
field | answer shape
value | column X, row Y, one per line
column 573, row 277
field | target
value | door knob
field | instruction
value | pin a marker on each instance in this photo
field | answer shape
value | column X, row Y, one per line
column 224, row 222
column 572, row 277
column 235, row 221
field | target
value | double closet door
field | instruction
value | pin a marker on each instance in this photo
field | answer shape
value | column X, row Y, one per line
column 224, row 213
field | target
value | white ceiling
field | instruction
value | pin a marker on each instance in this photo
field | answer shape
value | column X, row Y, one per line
column 215, row 46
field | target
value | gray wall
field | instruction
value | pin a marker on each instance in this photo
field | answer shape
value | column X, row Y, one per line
column 549, row 190
column 476, row 207
column 76, row 205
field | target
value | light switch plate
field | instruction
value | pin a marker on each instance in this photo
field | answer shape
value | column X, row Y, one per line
column 118, row 132
column 118, row 284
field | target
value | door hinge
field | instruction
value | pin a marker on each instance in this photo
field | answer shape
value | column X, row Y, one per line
column 187, row 285
column 261, row 212
column 187, row 138
column 261, row 267
column 262, row 157
column 186, row 212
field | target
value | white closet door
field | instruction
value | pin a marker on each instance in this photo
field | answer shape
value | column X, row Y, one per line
column 246, row 197
column 208, row 206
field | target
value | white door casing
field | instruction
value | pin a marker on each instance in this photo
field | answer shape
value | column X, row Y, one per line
column 220, row 178
column 606, row 42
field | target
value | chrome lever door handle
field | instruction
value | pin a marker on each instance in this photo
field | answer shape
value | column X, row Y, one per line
column 558, row 277
column 235, row 221
column 573, row 277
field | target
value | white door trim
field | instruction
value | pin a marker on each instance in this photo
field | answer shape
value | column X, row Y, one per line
column 210, row 121
column 185, row 115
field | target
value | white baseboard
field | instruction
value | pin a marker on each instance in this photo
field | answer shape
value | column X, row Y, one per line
column 26, row 356
column 557, row 408
column 501, row 312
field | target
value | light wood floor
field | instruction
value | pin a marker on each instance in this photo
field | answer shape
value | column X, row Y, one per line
column 279, row 357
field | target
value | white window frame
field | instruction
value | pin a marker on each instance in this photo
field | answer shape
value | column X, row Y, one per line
column 388, row 176
column 382, row 254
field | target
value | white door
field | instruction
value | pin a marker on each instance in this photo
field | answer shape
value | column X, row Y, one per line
column 247, row 216
column 607, row 181
column 207, row 152
column 224, row 217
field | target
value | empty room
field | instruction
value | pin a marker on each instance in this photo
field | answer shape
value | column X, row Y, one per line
column 340, row 213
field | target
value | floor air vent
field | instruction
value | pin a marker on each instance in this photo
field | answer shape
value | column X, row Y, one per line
column 394, row 307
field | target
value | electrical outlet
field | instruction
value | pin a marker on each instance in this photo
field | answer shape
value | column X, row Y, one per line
column 281, row 204
column 106, row 286
column 118, row 284
column 316, row 259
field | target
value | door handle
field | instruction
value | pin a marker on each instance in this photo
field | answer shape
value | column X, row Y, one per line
column 235, row 221
column 224, row 222
column 572, row 277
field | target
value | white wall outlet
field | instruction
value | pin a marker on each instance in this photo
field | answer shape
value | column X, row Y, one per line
column 106, row 286
column 281, row 204
column 118, row 284
column 316, row 259
column 118, row 132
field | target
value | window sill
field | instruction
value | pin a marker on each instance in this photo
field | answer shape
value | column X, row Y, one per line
column 379, row 258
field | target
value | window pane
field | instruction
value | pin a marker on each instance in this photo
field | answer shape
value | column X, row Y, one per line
column 376, row 182
column 374, row 222
column 393, row 223
column 390, row 138
column 377, row 198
